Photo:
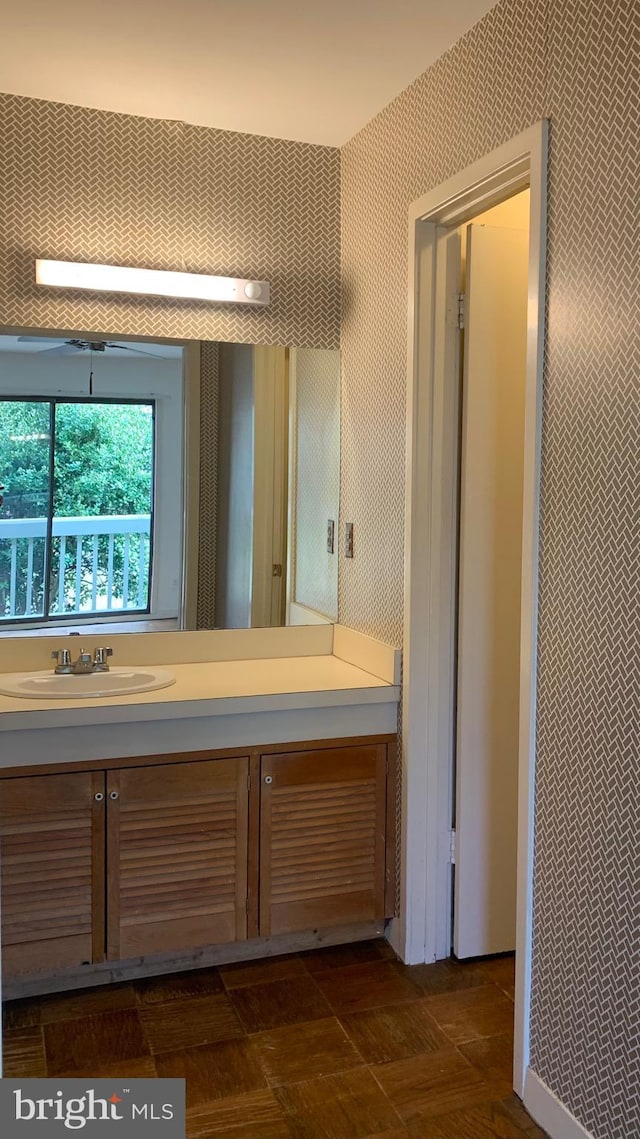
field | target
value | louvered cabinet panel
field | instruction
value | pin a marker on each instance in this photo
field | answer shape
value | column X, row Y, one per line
column 322, row 838
column 52, row 867
column 176, row 856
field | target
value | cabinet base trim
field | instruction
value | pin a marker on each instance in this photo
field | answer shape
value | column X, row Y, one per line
column 107, row 972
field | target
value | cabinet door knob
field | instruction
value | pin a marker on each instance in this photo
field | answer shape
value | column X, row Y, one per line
column 98, row 796
column 114, row 795
column 268, row 778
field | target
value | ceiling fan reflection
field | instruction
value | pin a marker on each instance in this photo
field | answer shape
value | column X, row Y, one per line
column 73, row 346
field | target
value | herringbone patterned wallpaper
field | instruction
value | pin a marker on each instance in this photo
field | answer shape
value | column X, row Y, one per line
column 481, row 93
column 576, row 61
column 85, row 185
column 586, row 979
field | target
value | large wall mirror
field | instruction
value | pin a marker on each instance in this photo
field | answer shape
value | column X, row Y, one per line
column 158, row 485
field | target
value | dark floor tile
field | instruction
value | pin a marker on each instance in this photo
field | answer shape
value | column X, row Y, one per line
column 444, row 977
column 395, row 1133
column 68, row 1006
column 138, row 1068
column 260, row 972
column 501, row 971
column 105, row 1038
column 21, row 1014
column 493, row 1057
column 214, row 1071
column 188, row 1024
column 254, row 1116
column 179, row 986
column 434, row 1083
column 515, row 1110
column 394, row 1032
column 304, row 1052
column 347, row 1105
column 278, row 1003
column 486, row 1121
column 23, row 1053
column 360, row 987
column 86, row 1002
column 192, row 1025
column 472, row 1013
column 354, row 953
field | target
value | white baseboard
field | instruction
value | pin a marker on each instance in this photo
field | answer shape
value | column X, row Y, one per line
column 548, row 1112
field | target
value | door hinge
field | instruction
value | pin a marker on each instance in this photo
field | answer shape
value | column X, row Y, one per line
column 461, row 300
column 453, row 847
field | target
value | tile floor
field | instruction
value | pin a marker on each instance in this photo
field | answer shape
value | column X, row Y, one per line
column 342, row 1043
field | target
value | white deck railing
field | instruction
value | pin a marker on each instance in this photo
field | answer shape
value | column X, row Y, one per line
column 82, row 534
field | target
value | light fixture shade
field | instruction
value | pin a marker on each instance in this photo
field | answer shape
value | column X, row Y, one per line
column 151, row 282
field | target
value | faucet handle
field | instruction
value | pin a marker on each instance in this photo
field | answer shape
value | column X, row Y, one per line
column 100, row 655
column 62, row 656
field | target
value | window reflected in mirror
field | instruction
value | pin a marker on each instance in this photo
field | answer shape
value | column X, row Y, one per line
column 158, row 486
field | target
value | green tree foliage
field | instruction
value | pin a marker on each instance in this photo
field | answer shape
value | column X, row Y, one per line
column 103, row 458
column 25, row 430
column 103, row 461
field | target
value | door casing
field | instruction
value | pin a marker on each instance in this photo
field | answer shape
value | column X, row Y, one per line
column 421, row 933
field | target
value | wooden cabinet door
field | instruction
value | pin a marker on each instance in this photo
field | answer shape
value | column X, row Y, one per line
column 52, row 867
column 176, row 856
column 322, row 838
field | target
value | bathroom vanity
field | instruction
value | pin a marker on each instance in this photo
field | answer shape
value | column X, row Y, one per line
column 246, row 810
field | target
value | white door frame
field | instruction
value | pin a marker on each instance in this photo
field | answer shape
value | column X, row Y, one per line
column 423, row 931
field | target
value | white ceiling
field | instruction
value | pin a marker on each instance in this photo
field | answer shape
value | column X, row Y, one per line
column 312, row 72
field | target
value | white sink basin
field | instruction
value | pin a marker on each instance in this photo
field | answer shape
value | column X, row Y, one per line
column 115, row 682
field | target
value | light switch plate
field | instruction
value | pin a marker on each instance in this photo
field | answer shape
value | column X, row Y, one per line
column 331, row 535
column 348, row 540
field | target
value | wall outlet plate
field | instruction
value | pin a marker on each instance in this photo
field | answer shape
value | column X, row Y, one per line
column 348, row 540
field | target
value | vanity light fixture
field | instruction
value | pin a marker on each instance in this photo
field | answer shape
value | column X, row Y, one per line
column 151, row 282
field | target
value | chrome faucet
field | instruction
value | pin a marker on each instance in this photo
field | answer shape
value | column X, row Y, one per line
column 83, row 663
column 100, row 660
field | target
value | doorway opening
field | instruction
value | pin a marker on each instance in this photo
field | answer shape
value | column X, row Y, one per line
column 435, row 432
column 492, row 270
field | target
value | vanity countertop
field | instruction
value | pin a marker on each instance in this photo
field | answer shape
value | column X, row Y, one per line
column 213, row 689
column 235, row 688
